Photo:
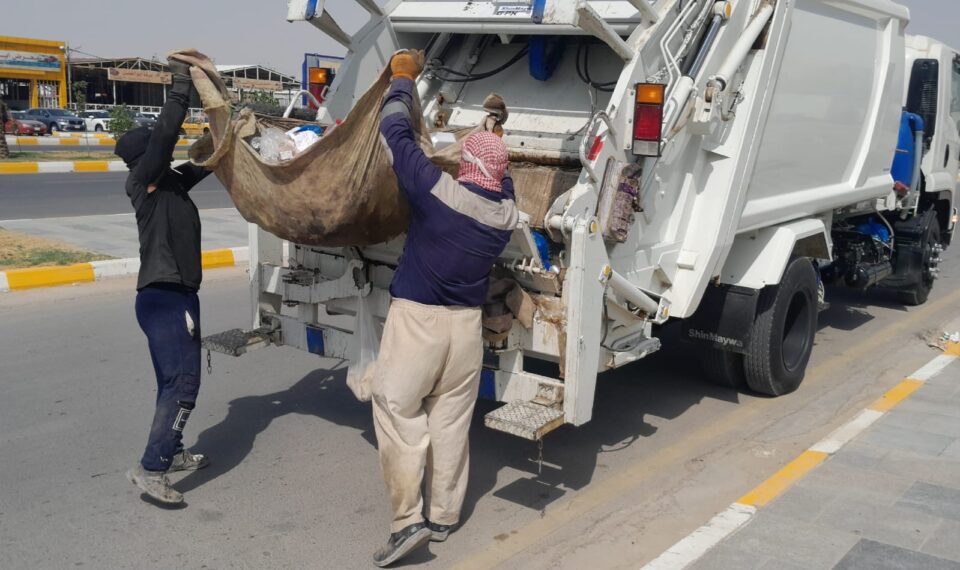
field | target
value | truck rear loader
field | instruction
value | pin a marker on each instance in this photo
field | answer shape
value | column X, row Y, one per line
column 715, row 163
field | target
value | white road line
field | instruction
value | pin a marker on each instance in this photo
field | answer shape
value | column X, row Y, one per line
column 4, row 285
column 932, row 368
column 703, row 539
column 842, row 435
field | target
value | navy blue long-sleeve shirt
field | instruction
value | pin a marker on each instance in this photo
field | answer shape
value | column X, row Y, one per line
column 457, row 231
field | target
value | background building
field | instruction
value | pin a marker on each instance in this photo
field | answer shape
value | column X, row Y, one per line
column 32, row 73
column 132, row 81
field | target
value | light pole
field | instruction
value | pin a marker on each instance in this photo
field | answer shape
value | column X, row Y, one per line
column 66, row 54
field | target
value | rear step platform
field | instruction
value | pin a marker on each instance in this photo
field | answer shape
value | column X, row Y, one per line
column 236, row 342
column 525, row 419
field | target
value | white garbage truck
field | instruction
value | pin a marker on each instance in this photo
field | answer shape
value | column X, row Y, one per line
column 709, row 162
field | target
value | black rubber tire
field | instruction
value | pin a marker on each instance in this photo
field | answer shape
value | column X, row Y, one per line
column 98, row 128
column 723, row 368
column 53, row 128
column 782, row 337
column 920, row 292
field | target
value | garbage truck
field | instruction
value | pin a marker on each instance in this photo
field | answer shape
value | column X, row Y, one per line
column 714, row 163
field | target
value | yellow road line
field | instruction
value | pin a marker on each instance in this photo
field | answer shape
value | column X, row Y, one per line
column 217, row 258
column 91, row 166
column 895, row 395
column 783, row 479
column 68, row 142
column 27, row 141
column 19, row 167
column 106, row 142
column 49, row 276
column 953, row 349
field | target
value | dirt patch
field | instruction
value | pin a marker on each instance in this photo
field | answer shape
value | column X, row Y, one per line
column 21, row 250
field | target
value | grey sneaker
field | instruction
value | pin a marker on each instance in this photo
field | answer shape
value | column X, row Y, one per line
column 186, row 461
column 154, row 484
column 402, row 543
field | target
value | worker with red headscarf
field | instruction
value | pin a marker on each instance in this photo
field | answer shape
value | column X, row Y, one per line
column 428, row 372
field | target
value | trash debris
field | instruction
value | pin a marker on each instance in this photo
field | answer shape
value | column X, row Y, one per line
column 276, row 145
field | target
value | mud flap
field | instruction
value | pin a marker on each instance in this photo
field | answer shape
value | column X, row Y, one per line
column 724, row 319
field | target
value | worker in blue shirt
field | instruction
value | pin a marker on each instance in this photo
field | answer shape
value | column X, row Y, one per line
column 428, row 372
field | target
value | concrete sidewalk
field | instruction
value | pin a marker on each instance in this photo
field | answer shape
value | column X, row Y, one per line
column 889, row 499
column 116, row 235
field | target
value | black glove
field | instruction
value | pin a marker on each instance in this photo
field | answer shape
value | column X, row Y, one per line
column 182, row 82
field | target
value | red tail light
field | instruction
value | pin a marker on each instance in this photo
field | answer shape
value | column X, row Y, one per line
column 648, row 119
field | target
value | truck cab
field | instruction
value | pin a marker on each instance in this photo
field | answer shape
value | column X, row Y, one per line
column 933, row 93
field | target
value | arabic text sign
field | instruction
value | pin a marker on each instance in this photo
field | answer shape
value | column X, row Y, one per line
column 139, row 75
column 29, row 61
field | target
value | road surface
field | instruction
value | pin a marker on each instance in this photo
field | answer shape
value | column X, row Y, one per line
column 295, row 481
column 30, row 196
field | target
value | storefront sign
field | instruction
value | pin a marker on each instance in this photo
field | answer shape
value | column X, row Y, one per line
column 139, row 76
column 258, row 84
column 29, row 61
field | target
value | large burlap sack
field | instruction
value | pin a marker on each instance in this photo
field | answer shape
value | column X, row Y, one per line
column 341, row 191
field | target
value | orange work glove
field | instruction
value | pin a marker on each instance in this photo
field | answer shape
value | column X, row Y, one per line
column 406, row 64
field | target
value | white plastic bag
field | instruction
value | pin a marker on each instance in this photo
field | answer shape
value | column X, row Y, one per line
column 364, row 350
column 275, row 145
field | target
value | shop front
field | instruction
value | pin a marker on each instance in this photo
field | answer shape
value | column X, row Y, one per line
column 32, row 73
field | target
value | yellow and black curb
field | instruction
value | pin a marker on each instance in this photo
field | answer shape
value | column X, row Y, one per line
column 35, row 277
column 694, row 546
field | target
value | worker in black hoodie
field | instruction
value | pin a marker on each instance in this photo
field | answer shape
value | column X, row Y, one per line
column 167, row 306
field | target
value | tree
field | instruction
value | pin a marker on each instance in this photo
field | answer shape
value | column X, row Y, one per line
column 259, row 97
column 121, row 120
column 80, row 95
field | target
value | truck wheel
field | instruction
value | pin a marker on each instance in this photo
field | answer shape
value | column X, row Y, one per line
column 98, row 128
column 782, row 337
column 723, row 368
column 918, row 293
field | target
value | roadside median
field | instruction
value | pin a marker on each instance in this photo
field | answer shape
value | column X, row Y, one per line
column 64, row 166
column 35, row 277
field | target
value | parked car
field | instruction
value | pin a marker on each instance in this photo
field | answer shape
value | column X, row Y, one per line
column 195, row 127
column 144, row 120
column 57, row 119
column 97, row 121
column 18, row 125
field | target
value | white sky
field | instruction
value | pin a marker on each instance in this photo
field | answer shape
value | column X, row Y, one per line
column 254, row 31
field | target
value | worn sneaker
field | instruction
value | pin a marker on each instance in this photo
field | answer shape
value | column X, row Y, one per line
column 155, row 484
column 439, row 532
column 186, row 461
column 402, row 543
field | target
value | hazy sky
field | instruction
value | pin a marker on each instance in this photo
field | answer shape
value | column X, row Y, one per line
column 254, row 31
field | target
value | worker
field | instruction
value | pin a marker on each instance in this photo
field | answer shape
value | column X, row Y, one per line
column 428, row 372
column 167, row 306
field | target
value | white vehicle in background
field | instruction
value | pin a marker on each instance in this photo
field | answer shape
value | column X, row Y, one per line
column 97, row 121
column 713, row 162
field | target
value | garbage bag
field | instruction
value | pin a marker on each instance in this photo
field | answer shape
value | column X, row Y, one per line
column 364, row 350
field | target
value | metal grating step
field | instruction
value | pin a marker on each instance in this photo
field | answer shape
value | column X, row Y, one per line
column 235, row 342
column 525, row 419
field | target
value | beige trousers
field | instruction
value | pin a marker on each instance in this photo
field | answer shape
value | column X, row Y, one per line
column 424, row 389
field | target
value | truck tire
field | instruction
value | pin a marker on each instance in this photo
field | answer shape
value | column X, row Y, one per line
column 723, row 368
column 918, row 293
column 783, row 330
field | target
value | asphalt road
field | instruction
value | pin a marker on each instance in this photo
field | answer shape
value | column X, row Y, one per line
column 295, row 481
column 30, row 196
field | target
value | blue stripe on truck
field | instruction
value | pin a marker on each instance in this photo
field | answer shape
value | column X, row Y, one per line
column 314, row 340
column 488, row 384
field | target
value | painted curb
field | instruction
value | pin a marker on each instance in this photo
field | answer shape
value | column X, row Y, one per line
column 36, row 277
column 74, row 141
column 65, row 166
column 697, row 544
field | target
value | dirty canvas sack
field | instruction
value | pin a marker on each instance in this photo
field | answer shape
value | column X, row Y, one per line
column 364, row 350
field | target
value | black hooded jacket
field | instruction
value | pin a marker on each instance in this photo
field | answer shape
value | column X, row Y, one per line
column 167, row 219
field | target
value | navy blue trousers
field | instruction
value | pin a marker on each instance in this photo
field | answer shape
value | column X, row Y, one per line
column 170, row 317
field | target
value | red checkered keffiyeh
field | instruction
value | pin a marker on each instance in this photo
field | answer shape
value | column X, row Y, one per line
column 484, row 160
